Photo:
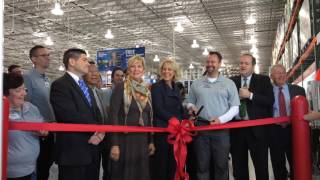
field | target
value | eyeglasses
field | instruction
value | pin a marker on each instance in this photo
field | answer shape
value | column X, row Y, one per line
column 43, row 55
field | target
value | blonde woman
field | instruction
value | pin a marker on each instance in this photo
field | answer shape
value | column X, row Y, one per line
column 131, row 106
column 167, row 103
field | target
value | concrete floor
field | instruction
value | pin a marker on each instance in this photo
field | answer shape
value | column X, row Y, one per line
column 54, row 172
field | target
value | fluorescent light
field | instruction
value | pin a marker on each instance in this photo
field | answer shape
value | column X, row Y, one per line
column 48, row 41
column 61, row 68
column 251, row 20
column 191, row 66
column 148, row 1
column 156, row 58
column 109, row 72
column 254, row 49
column 179, row 27
column 57, row 9
column 195, row 44
column 109, row 34
column 205, row 52
column 253, row 40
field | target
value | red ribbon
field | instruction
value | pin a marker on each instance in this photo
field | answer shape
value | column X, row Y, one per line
column 33, row 126
column 180, row 135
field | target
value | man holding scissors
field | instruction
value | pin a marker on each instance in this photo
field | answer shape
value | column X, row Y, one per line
column 220, row 100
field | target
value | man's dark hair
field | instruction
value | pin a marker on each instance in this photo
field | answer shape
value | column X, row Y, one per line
column 254, row 61
column 72, row 53
column 117, row 68
column 11, row 81
column 33, row 50
column 12, row 67
column 217, row 54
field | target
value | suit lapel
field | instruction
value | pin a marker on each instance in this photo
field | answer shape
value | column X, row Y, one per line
column 294, row 91
column 169, row 92
column 238, row 82
column 253, row 81
column 78, row 90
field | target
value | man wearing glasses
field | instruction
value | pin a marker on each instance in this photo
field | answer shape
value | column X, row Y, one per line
column 38, row 87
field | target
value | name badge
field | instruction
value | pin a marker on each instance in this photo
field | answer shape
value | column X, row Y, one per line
column 14, row 116
column 47, row 84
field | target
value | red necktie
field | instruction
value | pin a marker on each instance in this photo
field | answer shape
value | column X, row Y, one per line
column 282, row 103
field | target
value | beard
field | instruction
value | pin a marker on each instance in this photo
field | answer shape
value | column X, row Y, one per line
column 210, row 69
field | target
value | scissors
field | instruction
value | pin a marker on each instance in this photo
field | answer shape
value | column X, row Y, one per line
column 199, row 120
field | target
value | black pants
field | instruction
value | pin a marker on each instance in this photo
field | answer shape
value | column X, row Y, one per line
column 21, row 178
column 45, row 158
column 242, row 140
column 81, row 172
column 191, row 162
column 315, row 146
column 105, row 156
column 214, row 146
column 280, row 149
column 163, row 165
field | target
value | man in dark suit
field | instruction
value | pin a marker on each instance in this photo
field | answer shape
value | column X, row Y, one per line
column 77, row 154
column 280, row 134
column 255, row 92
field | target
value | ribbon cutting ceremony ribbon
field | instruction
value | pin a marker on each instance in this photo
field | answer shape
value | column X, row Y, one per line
column 180, row 132
column 32, row 126
column 180, row 135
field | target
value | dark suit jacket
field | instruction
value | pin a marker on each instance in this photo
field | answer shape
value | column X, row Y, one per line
column 70, row 106
column 295, row 90
column 166, row 103
column 261, row 105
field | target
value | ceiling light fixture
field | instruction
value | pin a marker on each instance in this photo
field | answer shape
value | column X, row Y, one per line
column 253, row 40
column 109, row 34
column 148, row 1
column 48, row 41
column 179, row 28
column 156, row 58
column 61, row 68
column 205, row 52
column 255, row 55
column 254, row 49
column 251, row 20
column 191, row 66
column 57, row 9
column 195, row 44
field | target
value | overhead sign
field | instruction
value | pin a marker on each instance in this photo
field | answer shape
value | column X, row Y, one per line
column 110, row 58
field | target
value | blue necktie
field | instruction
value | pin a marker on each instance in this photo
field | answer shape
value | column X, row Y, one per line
column 85, row 90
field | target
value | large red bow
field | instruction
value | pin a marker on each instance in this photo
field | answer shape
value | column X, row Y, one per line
column 179, row 136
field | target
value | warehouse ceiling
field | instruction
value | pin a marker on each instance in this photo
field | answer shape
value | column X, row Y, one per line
column 216, row 24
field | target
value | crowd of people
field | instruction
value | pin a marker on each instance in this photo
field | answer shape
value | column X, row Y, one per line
column 78, row 97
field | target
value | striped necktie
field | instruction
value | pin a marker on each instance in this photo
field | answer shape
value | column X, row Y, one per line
column 84, row 88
